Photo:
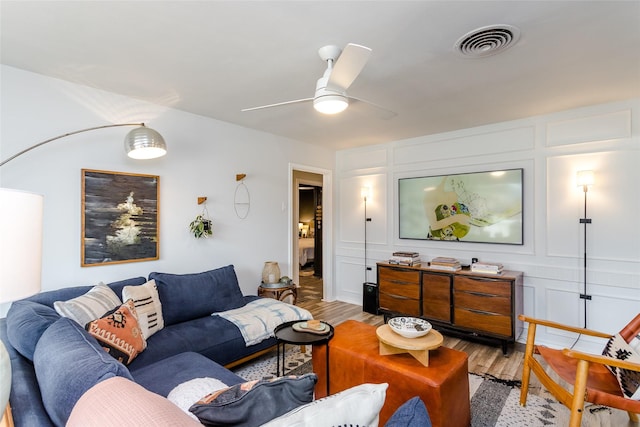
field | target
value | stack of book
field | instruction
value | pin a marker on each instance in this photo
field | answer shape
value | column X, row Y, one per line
column 445, row 263
column 405, row 258
column 486, row 267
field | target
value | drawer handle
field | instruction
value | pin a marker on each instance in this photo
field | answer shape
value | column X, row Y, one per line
column 483, row 313
column 480, row 294
column 398, row 296
column 401, row 282
column 484, row 279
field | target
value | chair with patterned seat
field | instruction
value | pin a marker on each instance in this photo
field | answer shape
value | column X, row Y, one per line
column 608, row 380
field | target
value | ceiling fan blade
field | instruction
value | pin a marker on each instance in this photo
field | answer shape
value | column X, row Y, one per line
column 349, row 64
column 381, row 112
column 296, row 101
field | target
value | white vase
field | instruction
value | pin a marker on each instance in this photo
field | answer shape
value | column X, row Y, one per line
column 271, row 272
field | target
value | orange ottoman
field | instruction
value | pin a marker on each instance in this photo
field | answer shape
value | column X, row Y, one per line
column 354, row 359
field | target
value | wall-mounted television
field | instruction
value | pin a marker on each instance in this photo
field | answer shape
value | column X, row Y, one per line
column 483, row 207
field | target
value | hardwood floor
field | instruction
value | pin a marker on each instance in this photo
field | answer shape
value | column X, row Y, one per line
column 483, row 358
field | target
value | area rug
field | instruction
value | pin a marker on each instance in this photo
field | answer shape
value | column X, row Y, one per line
column 494, row 402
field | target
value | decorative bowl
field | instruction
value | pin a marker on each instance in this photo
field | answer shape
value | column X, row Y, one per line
column 409, row 327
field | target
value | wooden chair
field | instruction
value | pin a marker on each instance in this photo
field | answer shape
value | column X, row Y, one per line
column 592, row 381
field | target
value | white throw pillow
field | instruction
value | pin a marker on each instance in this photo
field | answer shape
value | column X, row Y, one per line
column 145, row 298
column 184, row 395
column 90, row 306
column 359, row 405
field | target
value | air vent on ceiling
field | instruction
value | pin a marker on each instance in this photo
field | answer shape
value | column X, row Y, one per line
column 487, row 41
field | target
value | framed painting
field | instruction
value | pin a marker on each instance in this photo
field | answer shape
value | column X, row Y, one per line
column 482, row 207
column 119, row 217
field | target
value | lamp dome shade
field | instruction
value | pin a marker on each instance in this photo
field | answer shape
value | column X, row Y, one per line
column 144, row 143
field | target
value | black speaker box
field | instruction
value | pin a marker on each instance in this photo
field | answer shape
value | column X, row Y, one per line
column 370, row 297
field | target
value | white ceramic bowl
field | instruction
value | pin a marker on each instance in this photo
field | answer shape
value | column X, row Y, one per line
column 409, row 327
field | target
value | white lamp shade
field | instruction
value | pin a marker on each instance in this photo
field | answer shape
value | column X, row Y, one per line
column 584, row 178
column 365, row 192
column 20, row 244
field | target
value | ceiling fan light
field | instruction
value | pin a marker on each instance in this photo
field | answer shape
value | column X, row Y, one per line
column 330, row 104
column 144, row 143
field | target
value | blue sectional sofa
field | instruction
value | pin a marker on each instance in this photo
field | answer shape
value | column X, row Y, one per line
column 55, row 360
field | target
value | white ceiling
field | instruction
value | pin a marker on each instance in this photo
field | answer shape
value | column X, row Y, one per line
column 214, row 58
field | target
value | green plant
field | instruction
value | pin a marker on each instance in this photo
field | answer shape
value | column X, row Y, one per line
column 201, row 227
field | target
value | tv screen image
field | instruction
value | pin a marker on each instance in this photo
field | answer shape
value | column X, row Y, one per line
column 483, row 207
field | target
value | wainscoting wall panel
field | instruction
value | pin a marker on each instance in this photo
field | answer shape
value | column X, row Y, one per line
column 551, row 149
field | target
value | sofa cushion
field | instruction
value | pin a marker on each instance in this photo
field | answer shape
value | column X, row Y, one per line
column 148, row 306
column 118, row 402
column 356, row 406
column 118, row 333
column 68, row 362
column 163, row 376
column 212, row 336
column 189, row 296
column 90, row 306
column 255, row 402
column 26, row 322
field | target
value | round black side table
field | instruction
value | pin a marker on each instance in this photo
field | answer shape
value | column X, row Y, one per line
column 285, row 334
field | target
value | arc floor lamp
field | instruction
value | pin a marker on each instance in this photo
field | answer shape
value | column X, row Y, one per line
column 21, row 232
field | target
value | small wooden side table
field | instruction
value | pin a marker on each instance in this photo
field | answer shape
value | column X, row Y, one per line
column 286, row 293
column 392, row 343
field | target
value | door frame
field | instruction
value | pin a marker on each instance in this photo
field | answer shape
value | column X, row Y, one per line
column 328, row 291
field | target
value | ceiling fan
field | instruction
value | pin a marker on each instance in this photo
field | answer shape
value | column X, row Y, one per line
column 343, row 66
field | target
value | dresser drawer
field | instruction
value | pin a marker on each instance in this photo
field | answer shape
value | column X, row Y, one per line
column 483, row 302
column 399, row 304
column 403, row 283
column 482, row 321
column 436, row 297
column 483, row 285
column 393, row 275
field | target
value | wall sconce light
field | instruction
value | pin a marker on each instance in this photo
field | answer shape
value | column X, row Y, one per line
column 365, row 193
column 584, row 179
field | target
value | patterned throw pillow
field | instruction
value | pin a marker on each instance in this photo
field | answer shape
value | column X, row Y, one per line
column 118, row 333
column 92, row 305
column 629, row 381
column 148, row 306
column 255, row 402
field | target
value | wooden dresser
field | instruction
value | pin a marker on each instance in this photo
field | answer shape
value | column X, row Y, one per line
column 484, row 306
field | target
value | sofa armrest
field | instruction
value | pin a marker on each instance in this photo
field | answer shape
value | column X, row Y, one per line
column 27, row 406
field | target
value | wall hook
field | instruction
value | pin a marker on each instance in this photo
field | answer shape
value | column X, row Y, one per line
column 201, row 200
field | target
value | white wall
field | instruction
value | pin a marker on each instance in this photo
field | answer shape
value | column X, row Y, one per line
column 551, row 149
column 203, row 159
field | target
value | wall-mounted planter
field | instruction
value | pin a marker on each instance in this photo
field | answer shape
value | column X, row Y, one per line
column 201, row 227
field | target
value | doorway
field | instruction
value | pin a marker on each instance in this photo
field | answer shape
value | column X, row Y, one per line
column 309, row 246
